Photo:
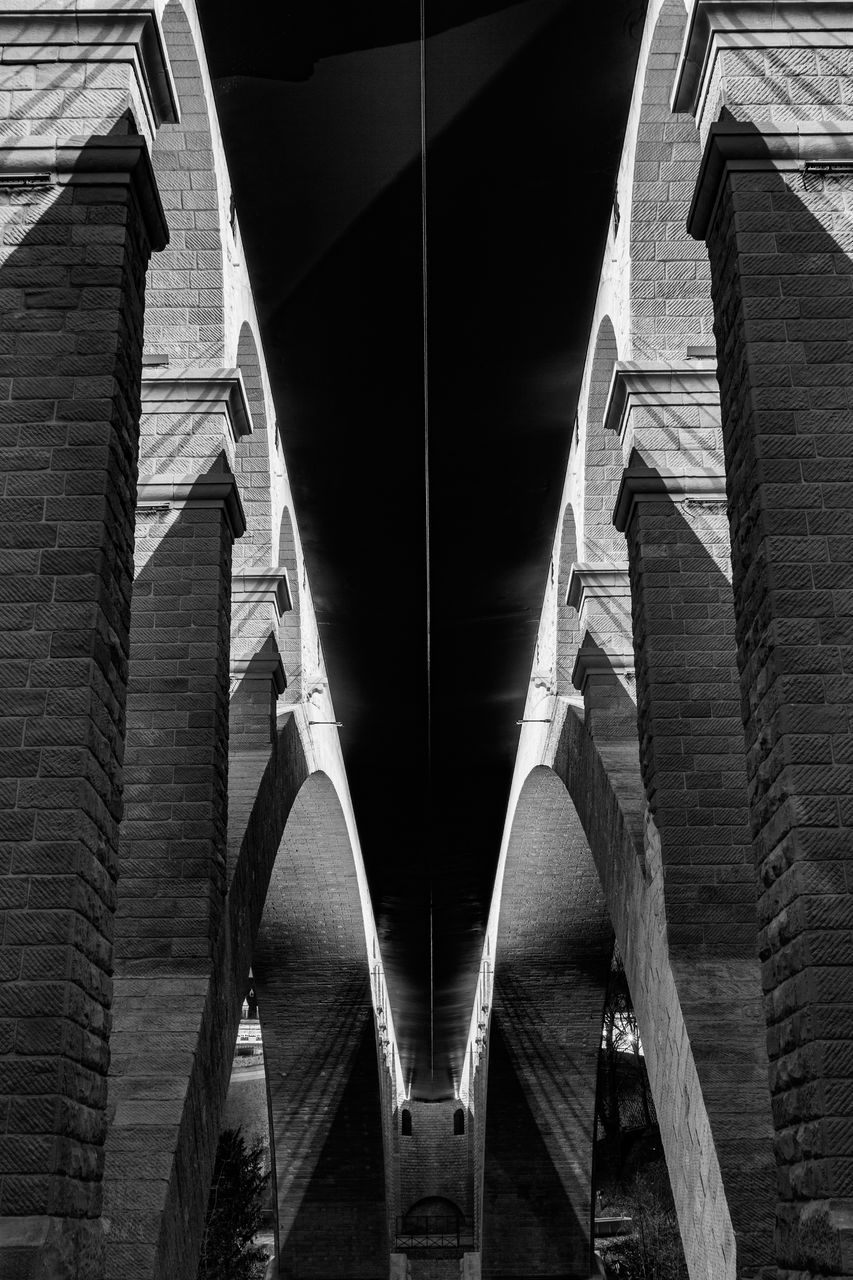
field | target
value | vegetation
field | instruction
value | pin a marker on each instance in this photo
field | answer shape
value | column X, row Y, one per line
column 234, row 1212
column 653, row 1251
column 631, row 1176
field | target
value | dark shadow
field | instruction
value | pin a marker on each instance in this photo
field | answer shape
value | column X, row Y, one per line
column 529, row 1227
column 340, row 1227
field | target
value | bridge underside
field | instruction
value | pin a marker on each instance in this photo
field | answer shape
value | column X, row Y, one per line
column 176, row 812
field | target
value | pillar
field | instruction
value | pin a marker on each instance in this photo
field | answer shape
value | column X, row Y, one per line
column 173, row 840
column 772, row 203
column 79, row 218
column 671, row 506
column 604, row 673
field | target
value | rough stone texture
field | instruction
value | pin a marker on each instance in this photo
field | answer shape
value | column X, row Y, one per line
column 551, row 973
column 314, row 1001
column 185, row 316
column 434, row 1161
column 631, row 875
column 176, row 1036
column 602, row 544
column 691, row 754
column 669, row 284
column 72, row 276
column 782, row 295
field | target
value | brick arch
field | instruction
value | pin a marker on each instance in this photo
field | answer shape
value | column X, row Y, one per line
column 670, row 281
column 252, row 463
column 552, row 959
column 290, row 630
column 603, row 464
column 310, row 965
column 568, row 634
column 711, row 1106
column 185, row 308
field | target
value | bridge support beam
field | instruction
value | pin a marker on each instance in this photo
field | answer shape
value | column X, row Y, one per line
column 671, row 506
column 772, row 203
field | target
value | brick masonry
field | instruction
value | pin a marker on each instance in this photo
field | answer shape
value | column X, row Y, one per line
column 691, row 755
column 551, row 973
column 73, row 274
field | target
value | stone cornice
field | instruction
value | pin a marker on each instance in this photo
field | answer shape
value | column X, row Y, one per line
column 592, row 660
column 95, row 31
column 115, row 161
column 644, row 484
column 735, row 146
column 198, row 389
column 215, row 489
column 660, row 383
column 751, row 24
column 256, row 586
column 595, row 582
column 260, row 666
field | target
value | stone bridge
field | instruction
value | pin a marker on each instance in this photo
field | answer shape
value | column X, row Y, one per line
column 175, row 804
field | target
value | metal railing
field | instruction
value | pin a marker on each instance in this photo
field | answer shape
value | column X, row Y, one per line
column 432, row 1232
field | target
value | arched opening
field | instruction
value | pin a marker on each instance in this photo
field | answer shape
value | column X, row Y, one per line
column 670, row 285
column 603, row 465
column 680, row 996
column 458, row 1123
column 184, row 299
column 406, row 1122
column 252, row 464
column 290, row 629
column 551, row 967
column 316, row 1015
column 568, row 634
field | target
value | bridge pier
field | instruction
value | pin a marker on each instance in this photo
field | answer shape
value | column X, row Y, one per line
column 79, row 218
column 671, row 507
column 173, row 838
column 772, row 203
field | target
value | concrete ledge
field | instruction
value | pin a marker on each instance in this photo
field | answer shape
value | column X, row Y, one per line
column 113, row 161
column 198, row 389
column 634, row 385
column 95, row 31
column 596, row 582
column 752, row 24
column 592, row 660
column 260, row 666
column 734, row 146
column 272, row 585
column 643, row 484
column 211, row 490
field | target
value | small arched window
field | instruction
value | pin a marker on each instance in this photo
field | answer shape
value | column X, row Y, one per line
column 458, row 1122
column 406, row 1123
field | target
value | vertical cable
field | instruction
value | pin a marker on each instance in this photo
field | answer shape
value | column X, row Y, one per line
column 425, row 288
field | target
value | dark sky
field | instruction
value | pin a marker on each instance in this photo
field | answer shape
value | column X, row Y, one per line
column 525, row 112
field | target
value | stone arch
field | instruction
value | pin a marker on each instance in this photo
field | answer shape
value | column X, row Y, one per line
column 290, row 630
column 185, row 307
column 704, row 1090
column 314, row 1001
column 174, row 1032
column 252, row 463
column 670, row 281
column 603, row 464
column 433, row 1207
column 553, row 953
column 568, row 633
